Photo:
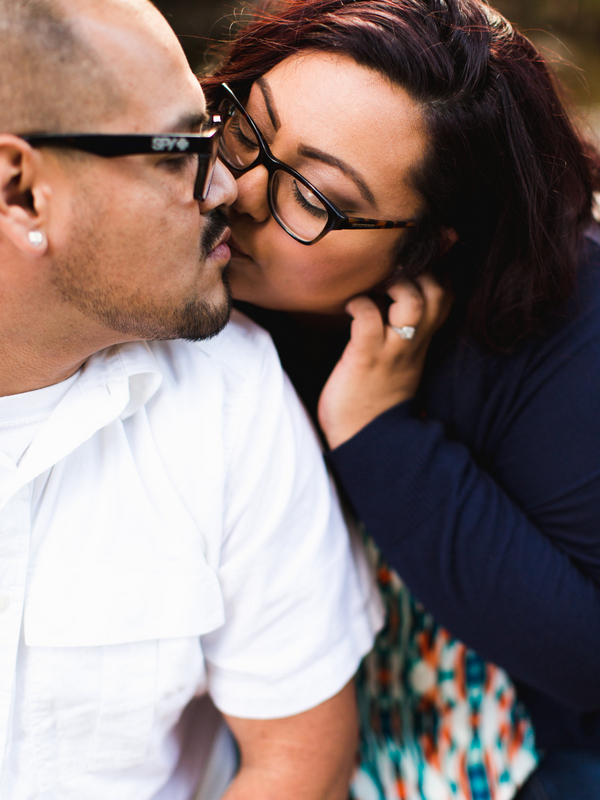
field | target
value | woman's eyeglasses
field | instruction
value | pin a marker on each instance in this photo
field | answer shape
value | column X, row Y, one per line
column 296, row 204
column 204, row 145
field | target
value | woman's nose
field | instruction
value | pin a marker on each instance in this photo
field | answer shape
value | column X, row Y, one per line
column 252, row 194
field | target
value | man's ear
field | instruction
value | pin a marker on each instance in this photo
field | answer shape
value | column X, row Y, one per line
column 22, row 201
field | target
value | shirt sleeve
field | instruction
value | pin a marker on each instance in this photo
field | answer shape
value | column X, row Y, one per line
column 505, row 555
column 301, row 607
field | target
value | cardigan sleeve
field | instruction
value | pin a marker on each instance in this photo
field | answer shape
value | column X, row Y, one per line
column 504, row 550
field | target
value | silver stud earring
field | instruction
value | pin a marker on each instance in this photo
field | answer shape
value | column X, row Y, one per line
column 36, row 238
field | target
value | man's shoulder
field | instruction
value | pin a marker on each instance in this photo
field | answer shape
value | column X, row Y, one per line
column 239, row 353
column 241, row 345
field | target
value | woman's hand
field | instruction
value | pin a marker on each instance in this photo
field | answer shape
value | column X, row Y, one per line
column 379, row 368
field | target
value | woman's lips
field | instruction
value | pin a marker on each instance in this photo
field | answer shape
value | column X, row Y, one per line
column 236, row 250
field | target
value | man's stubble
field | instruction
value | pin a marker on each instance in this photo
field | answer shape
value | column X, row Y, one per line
column 78, row 278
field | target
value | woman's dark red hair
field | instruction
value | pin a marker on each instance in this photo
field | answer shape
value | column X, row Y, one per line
column 505, row 169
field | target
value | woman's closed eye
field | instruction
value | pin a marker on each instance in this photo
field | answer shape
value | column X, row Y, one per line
column 307, row 200
column 247, row 141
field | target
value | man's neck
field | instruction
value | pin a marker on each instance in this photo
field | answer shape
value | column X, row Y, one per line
column 27, row 375
column 44, row 340
column 33, row 356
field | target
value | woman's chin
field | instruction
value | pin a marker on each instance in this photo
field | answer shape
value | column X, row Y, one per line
column 257, row 298
column 244, row 293
column 248, row 287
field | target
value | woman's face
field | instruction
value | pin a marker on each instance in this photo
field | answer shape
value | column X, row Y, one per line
column 356, row 137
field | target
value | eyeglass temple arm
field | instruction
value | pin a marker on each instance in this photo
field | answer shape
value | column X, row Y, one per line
column 378, row 224
column 108, row 145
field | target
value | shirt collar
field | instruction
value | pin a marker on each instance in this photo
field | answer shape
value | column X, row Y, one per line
column 113, row 384
column 126, row 369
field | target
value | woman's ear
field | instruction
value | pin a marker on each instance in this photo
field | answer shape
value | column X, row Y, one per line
column 21, row 201
column 448, row 238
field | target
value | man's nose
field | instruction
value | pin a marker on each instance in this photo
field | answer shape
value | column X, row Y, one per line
column 223, row 190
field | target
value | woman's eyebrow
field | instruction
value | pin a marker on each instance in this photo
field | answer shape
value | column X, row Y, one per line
column 311, row 152
column 326, row 158
column 269, row 103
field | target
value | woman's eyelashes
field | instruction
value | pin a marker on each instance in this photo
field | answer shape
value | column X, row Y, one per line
column 307, row 200
column 247, row 141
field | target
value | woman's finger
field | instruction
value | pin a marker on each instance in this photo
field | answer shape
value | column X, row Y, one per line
column 438, row 302
column 406, row 312
column 404, row 289
column 368, row 327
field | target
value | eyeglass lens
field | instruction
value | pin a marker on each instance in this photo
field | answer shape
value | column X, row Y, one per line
column 293, row 202
column 206, row 169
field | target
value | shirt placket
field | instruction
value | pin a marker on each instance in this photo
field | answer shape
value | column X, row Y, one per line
column 15, row 527
column 16, row 486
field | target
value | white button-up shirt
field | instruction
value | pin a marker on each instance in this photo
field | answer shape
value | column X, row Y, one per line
column 170, row 530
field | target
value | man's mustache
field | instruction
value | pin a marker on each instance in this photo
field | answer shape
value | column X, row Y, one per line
column 216, row 224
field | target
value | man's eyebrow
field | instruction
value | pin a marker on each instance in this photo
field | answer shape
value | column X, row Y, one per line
column 326, row 158
column 191, row 122
column 269, row 103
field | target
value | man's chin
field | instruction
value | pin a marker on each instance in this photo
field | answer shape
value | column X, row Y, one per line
column 201, row 320
column 196, row 321
column 209, row 325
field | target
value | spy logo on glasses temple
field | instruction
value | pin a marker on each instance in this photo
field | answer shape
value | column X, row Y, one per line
column 112, row 145
column 169, row 143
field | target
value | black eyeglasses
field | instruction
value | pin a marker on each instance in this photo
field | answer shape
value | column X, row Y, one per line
column 205, row 145
column 299, row 207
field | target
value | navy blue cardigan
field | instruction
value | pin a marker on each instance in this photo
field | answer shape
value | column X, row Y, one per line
column 484, row 494
column 487, row 503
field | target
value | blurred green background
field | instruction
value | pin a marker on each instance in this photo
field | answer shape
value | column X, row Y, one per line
column 567, row 31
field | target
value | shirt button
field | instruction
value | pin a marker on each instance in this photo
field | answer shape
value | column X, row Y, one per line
column 4, row 602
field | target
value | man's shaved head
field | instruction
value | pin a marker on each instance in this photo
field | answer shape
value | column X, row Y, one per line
column 51, row 78
column 95, row 251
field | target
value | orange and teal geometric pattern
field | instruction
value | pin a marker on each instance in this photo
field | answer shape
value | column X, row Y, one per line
column 437, row 722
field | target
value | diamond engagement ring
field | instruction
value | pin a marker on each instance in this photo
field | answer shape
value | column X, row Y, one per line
column 406, row 332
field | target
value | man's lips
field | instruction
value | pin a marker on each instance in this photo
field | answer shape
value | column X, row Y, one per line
column 224, row 238
column 220, row 250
